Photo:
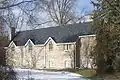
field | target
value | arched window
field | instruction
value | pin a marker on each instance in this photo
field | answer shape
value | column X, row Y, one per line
column 50, row 46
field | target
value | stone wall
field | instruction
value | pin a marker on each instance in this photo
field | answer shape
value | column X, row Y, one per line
column 87, row 45
column 41, row 57
column 62, row 55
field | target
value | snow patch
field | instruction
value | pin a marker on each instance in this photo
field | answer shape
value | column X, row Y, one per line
column 24, row 74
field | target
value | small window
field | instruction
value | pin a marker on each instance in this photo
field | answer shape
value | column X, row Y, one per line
column 30, row 46
column 70, row 46
column 13, row 48
column 51, row 65
column 66, row 47
column 50, row 46
column 67, row 63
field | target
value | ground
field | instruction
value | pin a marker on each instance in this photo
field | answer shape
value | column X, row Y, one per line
column 25, row 74
column 30, row 74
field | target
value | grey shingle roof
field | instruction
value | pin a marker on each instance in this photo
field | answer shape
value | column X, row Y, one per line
column 60, row 34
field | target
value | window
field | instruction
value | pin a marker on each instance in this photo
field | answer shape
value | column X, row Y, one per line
column 50, row 46
column 51, row 65
column 67, row 63
column 13, row 48
column 29, row 46
column 66, row 46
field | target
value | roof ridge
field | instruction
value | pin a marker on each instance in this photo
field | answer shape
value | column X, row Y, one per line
column 55, row 27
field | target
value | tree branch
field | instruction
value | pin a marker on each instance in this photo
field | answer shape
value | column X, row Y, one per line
column 113, row 6
column 13, row 5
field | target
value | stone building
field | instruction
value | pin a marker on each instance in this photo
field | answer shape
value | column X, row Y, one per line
column 52, row 48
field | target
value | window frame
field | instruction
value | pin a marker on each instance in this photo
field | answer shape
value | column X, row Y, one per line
column 30, row 46
column 50, row 45
column 13, row 48
column 67, row 47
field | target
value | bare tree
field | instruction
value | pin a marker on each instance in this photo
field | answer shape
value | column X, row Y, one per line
column 87, row 52
column 60, row 11
column 6, row 71
column 12, row 3
column 71, row 55
column 33, row 56
column 88, row 46
column 14, row 11
column 36, row 56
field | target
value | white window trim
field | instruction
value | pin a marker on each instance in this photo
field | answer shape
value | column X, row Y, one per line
column 29, row 40
column 12, row 43
column 87, row 36
column 49, row 39
column 67, row 45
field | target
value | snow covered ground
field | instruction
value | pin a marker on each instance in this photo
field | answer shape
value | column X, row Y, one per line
column 25, row 74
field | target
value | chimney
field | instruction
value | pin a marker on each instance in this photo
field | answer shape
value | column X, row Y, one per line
column 12, row 32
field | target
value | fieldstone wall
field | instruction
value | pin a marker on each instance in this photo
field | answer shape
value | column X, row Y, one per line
column 41, row 57
column 87, row 45
column 62, row 55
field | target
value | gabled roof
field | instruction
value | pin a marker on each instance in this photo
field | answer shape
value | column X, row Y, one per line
column 61, row 34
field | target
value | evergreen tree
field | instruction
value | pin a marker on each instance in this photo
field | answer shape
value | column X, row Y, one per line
column 106, row 21
column 6, row 71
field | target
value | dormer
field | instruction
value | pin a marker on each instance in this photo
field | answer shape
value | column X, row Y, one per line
column 29, row 44
column 12, row 46
column 50, row 42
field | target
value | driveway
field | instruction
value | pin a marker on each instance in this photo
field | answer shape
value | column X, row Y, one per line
column 25, row 74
